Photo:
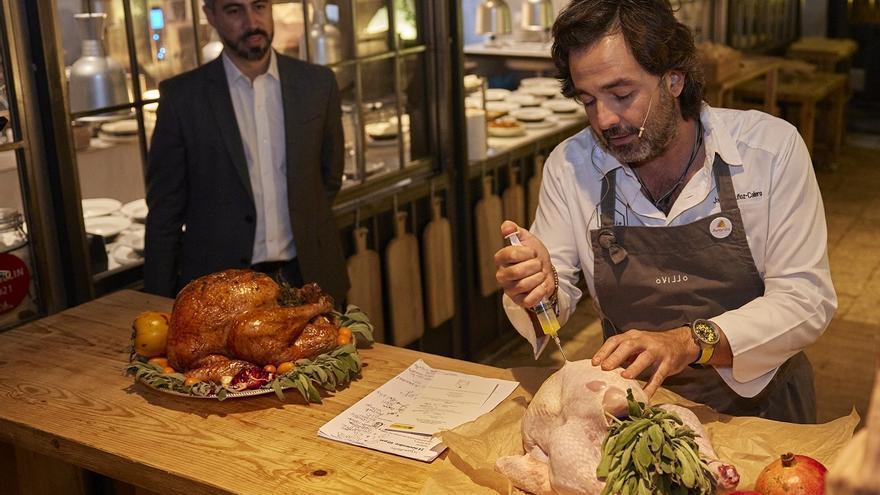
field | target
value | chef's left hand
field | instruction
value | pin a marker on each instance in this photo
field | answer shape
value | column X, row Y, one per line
column 667, row 353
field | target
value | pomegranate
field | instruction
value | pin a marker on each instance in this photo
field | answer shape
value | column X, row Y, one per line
column 792, row 475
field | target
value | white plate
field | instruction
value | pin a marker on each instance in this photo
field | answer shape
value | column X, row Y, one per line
column 96, row 207
column 517, row 130
column 541, row 91
column 496, row 94
column 133, row 240
column 136, row 210
column 381, row 143
column 125, row 255
column 540, row 81
column 541, row 124
column 500, row 106
column 114, row 139
column 531, row 114
column 380, row 130
column 561, row 106
column 523, row 99
column 106, row 226
column 125, row 127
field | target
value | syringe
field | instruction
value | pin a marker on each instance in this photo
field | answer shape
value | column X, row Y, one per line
column 544, row 311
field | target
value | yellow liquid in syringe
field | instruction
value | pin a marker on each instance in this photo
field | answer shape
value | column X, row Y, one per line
column 549, row 324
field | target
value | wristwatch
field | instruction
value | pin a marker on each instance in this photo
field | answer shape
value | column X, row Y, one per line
column 706, row 335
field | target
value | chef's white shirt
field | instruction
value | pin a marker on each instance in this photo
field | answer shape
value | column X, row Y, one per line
column 259, row 112
column 784, row 221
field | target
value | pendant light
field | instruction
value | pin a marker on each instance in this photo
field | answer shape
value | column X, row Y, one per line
column 493, row 17
column 537, row 15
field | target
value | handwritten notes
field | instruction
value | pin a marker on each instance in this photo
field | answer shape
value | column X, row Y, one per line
column 401, row 416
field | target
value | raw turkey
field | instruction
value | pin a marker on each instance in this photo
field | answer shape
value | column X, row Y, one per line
column 232, row 320
column 565, row 425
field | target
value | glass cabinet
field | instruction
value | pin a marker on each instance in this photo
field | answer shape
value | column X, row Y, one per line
column 27, row 256
column 112, row 55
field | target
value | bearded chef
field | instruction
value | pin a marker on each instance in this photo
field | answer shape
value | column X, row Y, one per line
column 700, row 231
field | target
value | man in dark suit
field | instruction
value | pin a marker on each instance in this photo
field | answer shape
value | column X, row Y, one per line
column 245, row 161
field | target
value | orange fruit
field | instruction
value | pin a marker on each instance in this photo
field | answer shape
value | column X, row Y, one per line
column 159, row 361
column 151, row 333
column 284, row 367
column 167, row 370
column 269, row 368
column 344, row 336
column 190, row 381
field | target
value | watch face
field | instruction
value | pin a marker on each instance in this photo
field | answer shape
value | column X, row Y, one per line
column 706, row 332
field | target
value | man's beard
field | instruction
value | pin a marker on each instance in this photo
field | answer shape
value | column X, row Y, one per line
column 660, row 130
column 250, row 53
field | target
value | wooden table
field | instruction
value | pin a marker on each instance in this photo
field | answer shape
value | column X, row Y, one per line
column 807, row 93
column 63, row 395
column 752, row 69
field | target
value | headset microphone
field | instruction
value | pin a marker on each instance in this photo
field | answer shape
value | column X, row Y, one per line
column 642, row 128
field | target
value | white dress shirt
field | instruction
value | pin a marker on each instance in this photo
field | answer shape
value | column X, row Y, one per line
column 784, row 223
column 259, row 112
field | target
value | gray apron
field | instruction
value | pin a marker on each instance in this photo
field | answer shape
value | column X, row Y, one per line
column 659, row 278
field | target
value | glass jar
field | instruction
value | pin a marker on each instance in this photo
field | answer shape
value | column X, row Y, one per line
column 17, row 288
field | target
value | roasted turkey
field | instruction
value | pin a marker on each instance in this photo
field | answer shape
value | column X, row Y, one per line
column 232, row 320
column 565, row 425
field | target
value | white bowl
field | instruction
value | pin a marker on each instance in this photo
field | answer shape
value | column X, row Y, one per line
column 561, row 106
column 136, row 210
column 381, row 130
column 96, row 207
column 124, row 255
column 107, row 227
column 531, row 114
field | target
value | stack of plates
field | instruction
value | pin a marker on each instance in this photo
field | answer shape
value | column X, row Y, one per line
column 98, row 214
column 136, row 210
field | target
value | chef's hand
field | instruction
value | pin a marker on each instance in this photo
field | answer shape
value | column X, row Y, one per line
column 666, row 353
column 524, row 272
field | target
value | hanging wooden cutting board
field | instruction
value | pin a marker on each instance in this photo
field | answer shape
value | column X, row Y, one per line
column 534, row 188
column 489, row 217
column 514, row 199
column 404, row 285
column 437, row 239
column 366, row 282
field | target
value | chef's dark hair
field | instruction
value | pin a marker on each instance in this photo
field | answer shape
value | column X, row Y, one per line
column 655, row 37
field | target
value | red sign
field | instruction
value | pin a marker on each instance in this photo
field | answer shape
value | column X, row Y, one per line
column 14, row 282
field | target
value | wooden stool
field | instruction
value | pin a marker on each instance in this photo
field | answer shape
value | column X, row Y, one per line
column 828, row 54
column 752, row 70
column 807, row 93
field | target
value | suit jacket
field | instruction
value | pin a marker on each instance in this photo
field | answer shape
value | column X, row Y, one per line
column 197, row 177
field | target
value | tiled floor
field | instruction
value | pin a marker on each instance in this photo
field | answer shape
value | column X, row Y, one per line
column 845, row 357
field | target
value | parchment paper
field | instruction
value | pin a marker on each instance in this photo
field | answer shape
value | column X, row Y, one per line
column 747, row 442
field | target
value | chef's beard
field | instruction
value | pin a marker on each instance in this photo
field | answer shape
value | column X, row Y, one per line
column 660, row 130
column 250, row 53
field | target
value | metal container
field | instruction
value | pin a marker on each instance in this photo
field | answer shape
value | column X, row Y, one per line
column 493, row 17
column 537, row 15
column 325, row 40
column 96, row 80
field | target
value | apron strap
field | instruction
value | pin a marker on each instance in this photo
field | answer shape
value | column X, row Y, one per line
column 726, row 193
column 609, row 197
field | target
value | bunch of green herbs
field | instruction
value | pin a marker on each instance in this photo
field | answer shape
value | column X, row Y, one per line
column 652, row 452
